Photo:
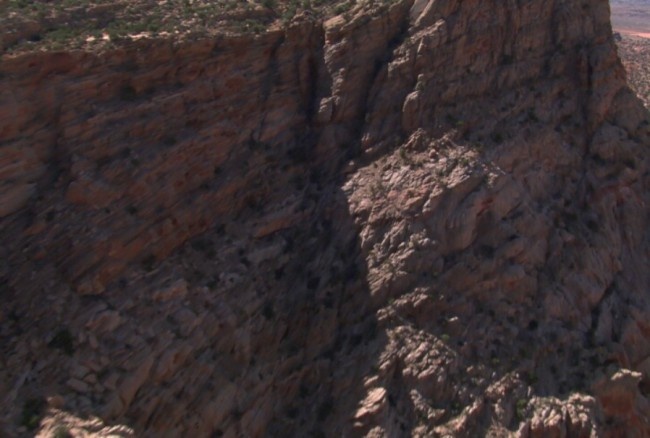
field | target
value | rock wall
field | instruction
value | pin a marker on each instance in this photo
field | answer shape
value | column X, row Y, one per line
column 418, row 218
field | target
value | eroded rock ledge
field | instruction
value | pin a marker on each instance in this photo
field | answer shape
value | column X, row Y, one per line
column 424, row 219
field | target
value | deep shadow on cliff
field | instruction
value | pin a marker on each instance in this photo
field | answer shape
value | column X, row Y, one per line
column 211, row 256
column 413, row 219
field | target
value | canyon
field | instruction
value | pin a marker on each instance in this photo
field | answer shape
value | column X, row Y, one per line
column 409, row 218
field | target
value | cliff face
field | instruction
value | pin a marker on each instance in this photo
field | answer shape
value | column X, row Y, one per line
column 417, row 218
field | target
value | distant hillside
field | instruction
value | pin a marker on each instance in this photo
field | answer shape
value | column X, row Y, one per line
column 631, row 16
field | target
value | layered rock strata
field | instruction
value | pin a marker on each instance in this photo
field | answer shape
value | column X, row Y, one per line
column 419, row 218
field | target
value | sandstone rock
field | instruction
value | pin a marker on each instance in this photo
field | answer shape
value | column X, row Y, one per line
column 133, row 381
column 176, row 290
column 14, row 197
column 622, row 401
column 105, row 321
column 78, row 385
column 373, row 405
column 56, row 401
column 417, row 218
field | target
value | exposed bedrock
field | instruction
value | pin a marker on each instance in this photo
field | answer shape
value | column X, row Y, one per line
column 420, row 218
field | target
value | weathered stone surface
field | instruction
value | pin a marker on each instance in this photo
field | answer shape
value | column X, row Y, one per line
column 421, row 218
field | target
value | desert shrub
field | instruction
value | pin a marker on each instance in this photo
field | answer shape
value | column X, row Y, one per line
column 520, row 408
column 30, row 416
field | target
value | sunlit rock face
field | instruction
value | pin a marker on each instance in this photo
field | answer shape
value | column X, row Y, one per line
column 416, row 218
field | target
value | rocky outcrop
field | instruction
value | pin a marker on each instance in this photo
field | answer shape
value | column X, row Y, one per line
column 420, row 218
